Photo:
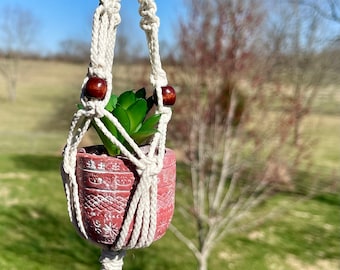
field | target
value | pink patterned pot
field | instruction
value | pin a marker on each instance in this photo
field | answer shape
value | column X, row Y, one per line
column 106, row 185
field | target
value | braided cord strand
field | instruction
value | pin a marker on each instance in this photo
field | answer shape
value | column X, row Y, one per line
column 69, row 163
column 143, row 207
column 150, row 24
column 105, row 22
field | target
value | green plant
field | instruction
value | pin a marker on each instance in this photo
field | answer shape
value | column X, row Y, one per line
column 131, row 109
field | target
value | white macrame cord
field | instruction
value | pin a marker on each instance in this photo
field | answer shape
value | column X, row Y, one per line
column 143, row 206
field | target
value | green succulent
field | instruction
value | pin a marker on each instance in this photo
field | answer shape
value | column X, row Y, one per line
column 131, row 109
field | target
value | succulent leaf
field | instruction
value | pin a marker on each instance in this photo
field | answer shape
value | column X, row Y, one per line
column 136, row 113
column 112, row 103
column 120, row 113
column 111, row 148
column 126, row 99
column 130, row 109
column 109, row 125
column 150, row 123
column 141, row 136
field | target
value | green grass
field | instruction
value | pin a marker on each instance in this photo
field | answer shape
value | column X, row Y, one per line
column 42, row 90
column 35, row 230
column 297, row 235
column 33, row 220
column 38, row 234
column 324, row 131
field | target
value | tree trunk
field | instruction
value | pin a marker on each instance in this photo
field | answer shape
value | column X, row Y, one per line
column 12, row 89
column 203, row 261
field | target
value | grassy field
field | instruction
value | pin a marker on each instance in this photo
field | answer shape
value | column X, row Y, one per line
column 35, row 232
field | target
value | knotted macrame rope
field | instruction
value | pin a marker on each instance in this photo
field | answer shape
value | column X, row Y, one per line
column 143, row 206
column 112, row 260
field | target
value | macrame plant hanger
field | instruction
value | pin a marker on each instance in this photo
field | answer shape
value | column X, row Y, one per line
column 142, row 208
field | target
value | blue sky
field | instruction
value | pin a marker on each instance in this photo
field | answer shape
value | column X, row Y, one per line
column 65, row 19
column 71, row 19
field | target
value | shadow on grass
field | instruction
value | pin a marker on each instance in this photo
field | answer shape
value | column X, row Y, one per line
column 37, row 162
column 41, row 238
column 330, row 199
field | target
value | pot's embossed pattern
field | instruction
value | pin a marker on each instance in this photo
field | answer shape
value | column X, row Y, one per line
column 106, row 185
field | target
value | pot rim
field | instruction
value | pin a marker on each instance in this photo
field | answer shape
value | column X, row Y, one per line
column 99, row 150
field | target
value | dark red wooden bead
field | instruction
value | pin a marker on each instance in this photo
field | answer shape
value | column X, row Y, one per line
column 95, row 88
column 168, row 94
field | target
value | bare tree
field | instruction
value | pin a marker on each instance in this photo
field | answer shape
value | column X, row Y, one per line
column 18, row 28
column 294, row 43
column 239, row 118
column 328, row 9
column 235, row 147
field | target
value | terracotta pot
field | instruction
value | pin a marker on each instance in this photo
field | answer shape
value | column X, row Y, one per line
column 106, row 185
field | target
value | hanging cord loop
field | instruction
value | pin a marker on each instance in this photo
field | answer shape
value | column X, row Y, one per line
column 143, row 206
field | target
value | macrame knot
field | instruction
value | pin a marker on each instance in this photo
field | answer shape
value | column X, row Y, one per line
column 149, row 20
column 111, row 6
column 113, row 10
column 158, row 77
column 93, row 108
column 111, row 260
column 97, row 68
column 149, row 166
